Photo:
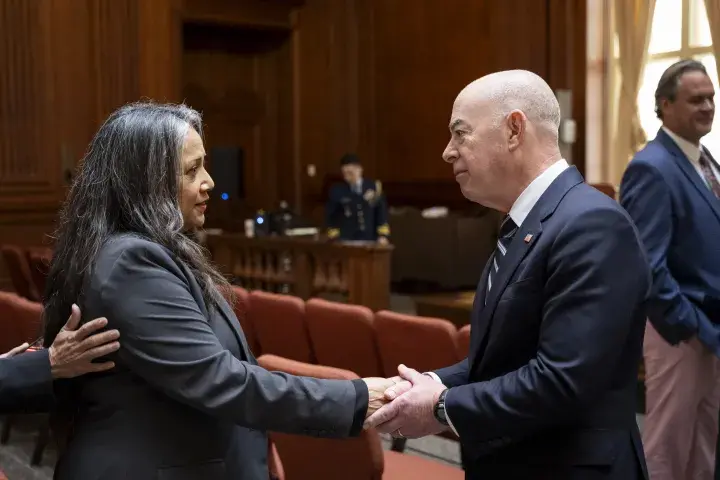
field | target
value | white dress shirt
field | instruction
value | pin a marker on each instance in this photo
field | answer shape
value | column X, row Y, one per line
column 519, row 212
column 357, row 187
column 692, row 152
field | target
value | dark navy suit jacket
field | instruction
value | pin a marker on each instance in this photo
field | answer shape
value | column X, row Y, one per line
column 548, row 388
column 357, row 216
column 26, row 383
column 678, row 218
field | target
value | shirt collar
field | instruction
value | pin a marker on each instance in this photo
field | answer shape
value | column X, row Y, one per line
column 692, row 152
column 532, row 193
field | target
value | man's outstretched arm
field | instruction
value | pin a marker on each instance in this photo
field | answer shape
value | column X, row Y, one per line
column 26, row 378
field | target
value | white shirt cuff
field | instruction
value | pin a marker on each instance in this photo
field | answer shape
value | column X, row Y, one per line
column 434, row 376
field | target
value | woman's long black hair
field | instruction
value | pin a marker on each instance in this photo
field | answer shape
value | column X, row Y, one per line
column 129, row 181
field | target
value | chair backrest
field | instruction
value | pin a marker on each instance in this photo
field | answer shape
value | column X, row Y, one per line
column 275, row 466
column 29, row 318
column 19, row 270
column 20, row 320
column 10, row 336
column 279, row 321
column 241, row 308
column 463, row 341
column 39, row 260
column 359, row 458
column 422, row 343
column 343, row 336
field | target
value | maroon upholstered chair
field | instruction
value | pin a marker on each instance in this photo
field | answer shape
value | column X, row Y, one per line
column 359, row 458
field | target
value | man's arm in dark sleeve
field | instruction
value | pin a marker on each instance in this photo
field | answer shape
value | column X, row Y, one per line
column 645, row 196
column 597, row 281
column 168, row 342
column 454, row 375
column 381, row 213
column 332, row 213
column 26, row 383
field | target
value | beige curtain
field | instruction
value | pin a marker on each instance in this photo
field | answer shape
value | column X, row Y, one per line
column 713, row 13
column 633, row 21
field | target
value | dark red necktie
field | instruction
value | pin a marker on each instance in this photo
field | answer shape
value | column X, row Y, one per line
column 710, row 177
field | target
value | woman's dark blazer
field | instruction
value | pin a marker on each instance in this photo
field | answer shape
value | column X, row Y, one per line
column 186, row 399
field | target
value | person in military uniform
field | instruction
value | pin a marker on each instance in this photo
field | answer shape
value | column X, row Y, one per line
column 357, row 209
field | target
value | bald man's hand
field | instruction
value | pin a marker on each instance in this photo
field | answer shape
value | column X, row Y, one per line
column 74, row 349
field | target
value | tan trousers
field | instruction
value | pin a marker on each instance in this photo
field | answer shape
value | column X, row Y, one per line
column 682, row 403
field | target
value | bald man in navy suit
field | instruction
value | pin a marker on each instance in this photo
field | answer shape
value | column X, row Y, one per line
column 548, row 389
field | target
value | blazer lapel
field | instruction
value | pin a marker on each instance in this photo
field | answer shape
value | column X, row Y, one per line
column 517, row 251
column 523, row 241
column 478, row 307
column 234, row 324
column 687, row 168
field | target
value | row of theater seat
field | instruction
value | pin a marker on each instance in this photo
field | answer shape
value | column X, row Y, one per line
column 28, row 268
column 351, row 337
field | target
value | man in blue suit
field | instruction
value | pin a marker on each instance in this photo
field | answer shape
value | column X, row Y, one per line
column 357, row 209
column 671, row 191
column 548, row 389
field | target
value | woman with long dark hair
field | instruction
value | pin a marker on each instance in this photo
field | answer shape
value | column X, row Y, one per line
column 186, row 399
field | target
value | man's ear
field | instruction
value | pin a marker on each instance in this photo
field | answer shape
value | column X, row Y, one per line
column 516, row 123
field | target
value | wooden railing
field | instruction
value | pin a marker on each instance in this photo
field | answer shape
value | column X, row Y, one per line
column 306, row 267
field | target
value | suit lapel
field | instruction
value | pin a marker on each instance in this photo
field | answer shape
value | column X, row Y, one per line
column 689, row 170
column 229, row 317
column 517, row 251
column 478, row 307
column 234, row 324
column 523, row 241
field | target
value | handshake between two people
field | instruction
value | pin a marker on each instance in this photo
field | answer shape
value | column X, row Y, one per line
column 404, row 406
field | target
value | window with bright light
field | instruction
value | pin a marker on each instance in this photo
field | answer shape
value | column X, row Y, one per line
column 680, row 29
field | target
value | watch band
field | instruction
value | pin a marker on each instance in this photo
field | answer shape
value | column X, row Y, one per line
column 439, row 410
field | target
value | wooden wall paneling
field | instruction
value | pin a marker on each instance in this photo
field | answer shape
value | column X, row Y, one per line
column 26, row 105
column 115, row 49
column 424, row 56
column 72, row 83
column 248, row 13
column 160, row 50
column 288, row 164
column 566, row 62
column 326, row 58
column 366, row 85
column 43, row 119
column 241, row 79
column 393, row 95
column 64, row 66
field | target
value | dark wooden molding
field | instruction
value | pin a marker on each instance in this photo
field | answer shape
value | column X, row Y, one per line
column 246, row 13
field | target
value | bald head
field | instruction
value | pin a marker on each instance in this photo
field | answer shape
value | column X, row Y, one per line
column 503, row 134
column 502, row 92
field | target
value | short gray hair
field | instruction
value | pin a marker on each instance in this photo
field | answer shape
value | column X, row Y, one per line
column 525, row 91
